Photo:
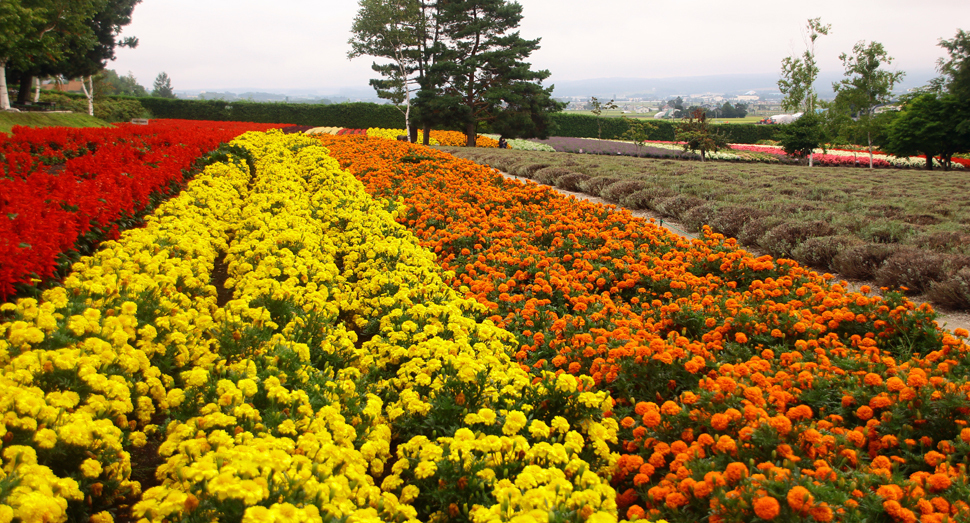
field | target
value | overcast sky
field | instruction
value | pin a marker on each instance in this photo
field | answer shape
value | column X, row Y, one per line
column 302, row 44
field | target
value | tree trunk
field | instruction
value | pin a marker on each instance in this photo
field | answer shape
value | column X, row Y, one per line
column 24, row 92
column 426, row 140
column 702, row 155
column 36, row 89
column 810, row 156
column 869, row 137
column 929, row 161
column 470, row 128
column 4, row 96
column 413, row 134
column 89, row 93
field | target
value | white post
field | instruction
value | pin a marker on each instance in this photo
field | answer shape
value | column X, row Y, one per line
column 89, row 93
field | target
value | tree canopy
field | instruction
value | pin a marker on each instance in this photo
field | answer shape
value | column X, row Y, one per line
column 163, row 86
column 464, row 61
column 798, row 74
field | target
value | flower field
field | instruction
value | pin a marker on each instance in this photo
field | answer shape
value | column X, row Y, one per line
column 62, row 186
column 744, row 388
column 361, row 329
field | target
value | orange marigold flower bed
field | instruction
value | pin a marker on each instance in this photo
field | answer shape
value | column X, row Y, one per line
column 713, row 356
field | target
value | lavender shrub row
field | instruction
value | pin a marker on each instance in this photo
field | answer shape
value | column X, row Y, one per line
column 588, row 146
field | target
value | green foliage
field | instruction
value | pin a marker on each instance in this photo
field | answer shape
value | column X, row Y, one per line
column 112, row 84
column 163, row 86
column 587, row 126
column 698, row 135
column 638, row 132
column 798, row 74
column 802, row 136
column 866, row 86
column 931, row 124
column 597, row 108
column 352, row 115
column 477, row 73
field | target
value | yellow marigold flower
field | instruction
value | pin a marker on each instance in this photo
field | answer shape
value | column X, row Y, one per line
column 409, row 493
column 45, row 438
column 91, row 468
column 514, row 422
column 486, row 416
column 539, row 429
column 425, row 469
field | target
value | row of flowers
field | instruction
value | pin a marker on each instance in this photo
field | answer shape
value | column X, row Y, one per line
column 341, row 378
column 744, row 387
column 63, row 188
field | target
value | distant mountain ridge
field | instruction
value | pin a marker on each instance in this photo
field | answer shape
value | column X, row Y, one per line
column 728, row 84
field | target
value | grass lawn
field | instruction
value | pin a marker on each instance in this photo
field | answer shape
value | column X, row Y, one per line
column 900, row 227
column 40, row 119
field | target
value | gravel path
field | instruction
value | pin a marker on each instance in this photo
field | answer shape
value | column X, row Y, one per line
column 948, row 320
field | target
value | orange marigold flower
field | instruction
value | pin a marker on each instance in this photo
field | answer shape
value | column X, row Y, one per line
column 740, row 337
column 864, row 412
column 890, row 492
column 670, row 408
column 821, row 512
column 702, row 489
column 880, row 402
column 894, row 384
column 736, row 471
column 726, row 444
column 933, row 458
column 628, row 422
column 766, row 507
column 675, row 500
column 800, row 499
column 720, row 421
column 641, row 408
column 651, row 418
column 635, row 512
column 917, row 378
column 938, row 482
column 873, row 380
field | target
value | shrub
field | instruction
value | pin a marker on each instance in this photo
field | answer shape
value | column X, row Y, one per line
column 953, row 292
column 643, row 199
column 595, row 185
column 621, row 189
column 756, row 227
column 730, row 220
column 945, row 241
column 696, row 218
column 886, row 231
column 862, row 261
column 782, row 239
column 676, row 206
column 819, row 252
column 915, row 269
column 549, row 175
column 527, row 168
column 571, row 182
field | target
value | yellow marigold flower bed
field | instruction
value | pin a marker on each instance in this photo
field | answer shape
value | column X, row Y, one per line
column 342, row 378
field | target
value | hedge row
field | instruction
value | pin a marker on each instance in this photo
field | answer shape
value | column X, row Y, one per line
column 585, row 126
column 366, row 115
column 357, row 115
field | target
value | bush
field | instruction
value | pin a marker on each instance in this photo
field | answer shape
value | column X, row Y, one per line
column 585, row 126
column 945, row 241
column 886, row 231
column 676, row 206
column 358, row 115
column 953, row 292
column 756, row 227
column 594, row 186
column 862, row 261
column 643, row 199
column 782, row 239
column 571, row 182
column 695, row 219
column 549, row 175
column 730, row 220
column 819, row 252
column 527, row 168
column 914, row 269
column 621, row 189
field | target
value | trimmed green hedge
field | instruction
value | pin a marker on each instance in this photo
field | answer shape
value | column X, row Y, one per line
column 355, row 115
column 585, row 126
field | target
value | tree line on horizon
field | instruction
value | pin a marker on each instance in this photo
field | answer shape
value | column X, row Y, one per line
column 933, row 120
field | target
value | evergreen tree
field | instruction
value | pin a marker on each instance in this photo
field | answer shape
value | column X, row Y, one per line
column 163, row 86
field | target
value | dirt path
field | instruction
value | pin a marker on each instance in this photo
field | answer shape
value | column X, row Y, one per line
column 948, row 320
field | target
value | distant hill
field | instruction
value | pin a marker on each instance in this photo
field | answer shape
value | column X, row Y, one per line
column 728, row 84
